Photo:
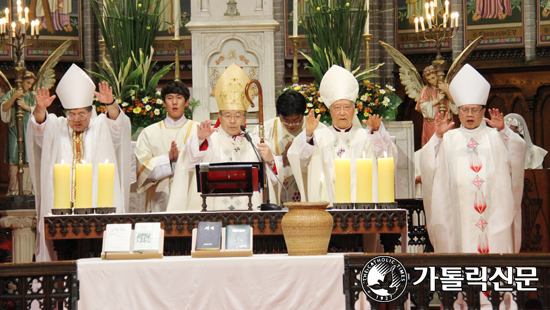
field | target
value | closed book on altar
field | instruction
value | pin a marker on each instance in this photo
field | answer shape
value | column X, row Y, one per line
column 209, row 236
column 237, row 237
column 117, row 238
column 146, row 237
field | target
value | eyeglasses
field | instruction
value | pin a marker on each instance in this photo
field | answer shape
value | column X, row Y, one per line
column 229, row 116
column 466, row 111
column 346, row 108
column 76, row 116
column 295, row 123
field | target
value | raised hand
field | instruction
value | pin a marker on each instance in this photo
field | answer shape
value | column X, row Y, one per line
column 312, row 122
column 266, row 152
column 497, row 119
column 204, row 130
column 443, row 124
column 43, row 99
column 373, row 122
column 173, row 153
column 105, row 94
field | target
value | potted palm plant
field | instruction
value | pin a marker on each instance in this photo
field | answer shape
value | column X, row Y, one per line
column 129, row 29
column 334, row 32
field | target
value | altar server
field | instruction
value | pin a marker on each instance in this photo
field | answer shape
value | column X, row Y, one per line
column 315, row 149
column 281, row 131
column 225, row 143
column 81, row 136
column 158, row 147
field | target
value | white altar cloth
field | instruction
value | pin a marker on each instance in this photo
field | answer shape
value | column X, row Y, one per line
column 273, row 281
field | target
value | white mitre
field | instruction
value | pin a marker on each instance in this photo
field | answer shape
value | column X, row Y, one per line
column 338, row 83
column 469, row 87
column 76, row 89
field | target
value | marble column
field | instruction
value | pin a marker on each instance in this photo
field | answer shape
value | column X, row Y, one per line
column 22, row 224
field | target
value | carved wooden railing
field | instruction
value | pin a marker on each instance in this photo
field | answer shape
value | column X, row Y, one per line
column 421, row 294
column 79, row 236
column 50, row 285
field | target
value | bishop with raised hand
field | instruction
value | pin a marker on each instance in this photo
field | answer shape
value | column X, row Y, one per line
column 472, row 176
column 316, row 149
column 225, row 143
column 80, row 136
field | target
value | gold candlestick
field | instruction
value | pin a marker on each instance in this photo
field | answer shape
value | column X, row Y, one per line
column 177, row 42
column 295, row 77
column 367, row 38
column 16, row 37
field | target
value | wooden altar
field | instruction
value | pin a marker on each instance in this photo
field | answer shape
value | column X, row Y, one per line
column 79, row 236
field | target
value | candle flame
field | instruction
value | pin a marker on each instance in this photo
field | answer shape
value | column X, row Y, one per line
column 322, row 176
column 62, row 161
column 385, row 154
column 363, row 154
column 83, row 161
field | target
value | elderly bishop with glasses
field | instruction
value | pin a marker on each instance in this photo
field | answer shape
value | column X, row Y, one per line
column 80, row 137
column 473, row 175
column 315, row 149
column 224, row 143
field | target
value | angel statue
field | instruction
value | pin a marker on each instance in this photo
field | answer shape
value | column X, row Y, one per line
column 430, row 92
column 24, row 98
column 434, row 97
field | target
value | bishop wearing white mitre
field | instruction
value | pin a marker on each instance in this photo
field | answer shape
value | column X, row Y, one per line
column 472, row 176
column 315, row 149
column 222, row 144
column 81, row 136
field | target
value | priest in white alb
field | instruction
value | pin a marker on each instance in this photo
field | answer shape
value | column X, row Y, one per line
column 158, row 147
column 472, row 176
column 81, row 136
column 316, row 148
column 281, row 131
column 226, row 143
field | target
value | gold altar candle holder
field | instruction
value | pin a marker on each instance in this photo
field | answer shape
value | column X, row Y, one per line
column 295, row 78
column 16, row 37
column 177, row 43
column 367, row 38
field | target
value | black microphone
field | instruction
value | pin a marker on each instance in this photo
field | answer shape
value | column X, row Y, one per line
column 246, row 135
column 264, row 206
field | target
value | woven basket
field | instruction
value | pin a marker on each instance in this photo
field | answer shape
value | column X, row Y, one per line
column 307, row 227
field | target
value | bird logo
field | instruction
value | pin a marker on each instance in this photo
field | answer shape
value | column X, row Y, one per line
column 384, row 278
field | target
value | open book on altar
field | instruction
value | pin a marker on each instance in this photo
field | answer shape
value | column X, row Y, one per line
column 121, row 242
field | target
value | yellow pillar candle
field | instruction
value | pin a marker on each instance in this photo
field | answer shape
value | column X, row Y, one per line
column 385, row 180
column 83, row 184
column 62, row 186
column 105, row 184
column 342, row 180
column 364, row 180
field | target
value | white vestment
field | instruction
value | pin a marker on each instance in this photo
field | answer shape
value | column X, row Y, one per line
column 277, row 136
column 221, row 148
column 51, row 143
column 472, row 183
column 329, row 144
column 155, row 173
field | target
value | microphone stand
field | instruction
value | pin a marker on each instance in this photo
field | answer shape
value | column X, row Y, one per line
column 267, row 206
